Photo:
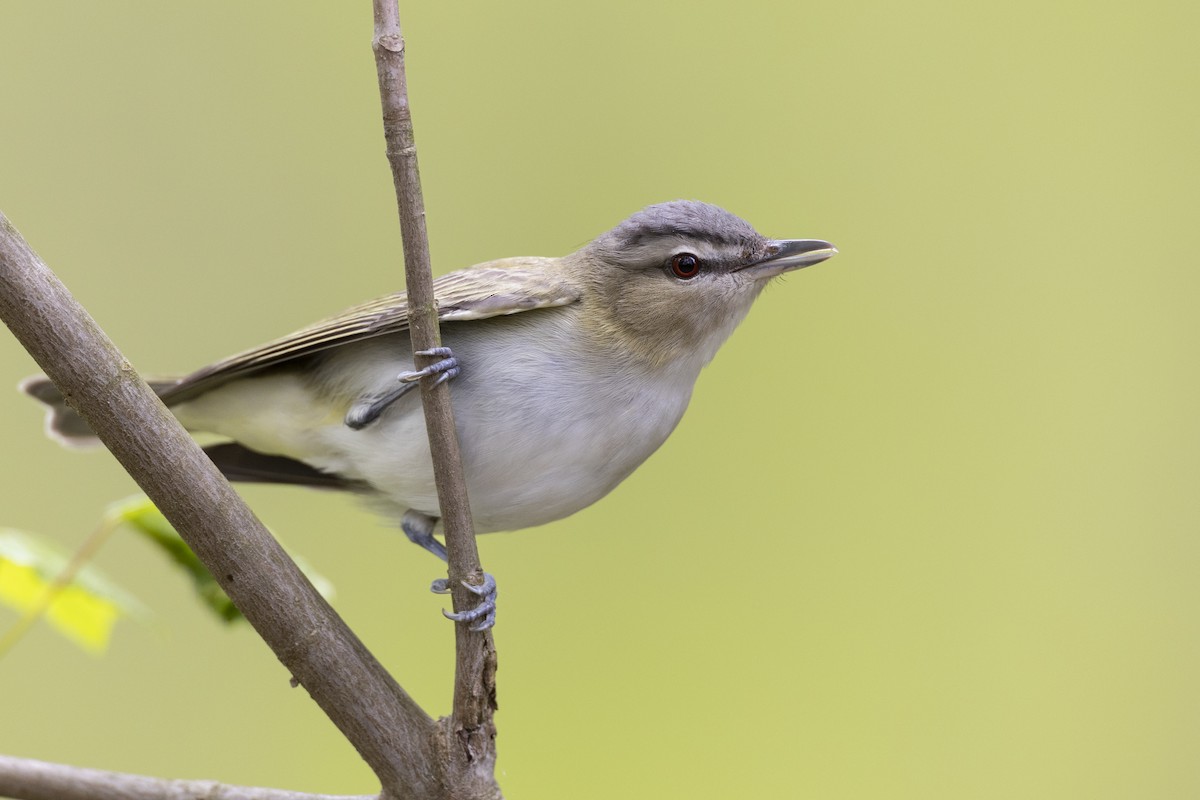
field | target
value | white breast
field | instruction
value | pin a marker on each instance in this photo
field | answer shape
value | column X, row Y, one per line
column 548, row 424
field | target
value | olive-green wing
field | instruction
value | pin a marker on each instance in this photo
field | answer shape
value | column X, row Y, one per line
column 496, row 288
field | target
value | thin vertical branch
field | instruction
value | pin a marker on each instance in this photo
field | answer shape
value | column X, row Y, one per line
column 472, row 731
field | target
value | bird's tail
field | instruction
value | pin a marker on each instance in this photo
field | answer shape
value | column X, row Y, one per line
column 236, row 462
column 63, row 423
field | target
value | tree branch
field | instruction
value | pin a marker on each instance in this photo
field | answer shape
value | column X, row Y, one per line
column 388, row 728
column 410, row 755
column 472, row 729
column 41, row 780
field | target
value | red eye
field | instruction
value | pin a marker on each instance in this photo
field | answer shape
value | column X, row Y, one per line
column 685, row 265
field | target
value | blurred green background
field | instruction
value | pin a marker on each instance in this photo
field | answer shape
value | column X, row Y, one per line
column 929, row 529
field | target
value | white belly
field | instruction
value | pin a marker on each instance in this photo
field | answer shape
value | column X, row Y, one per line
column 545, row 430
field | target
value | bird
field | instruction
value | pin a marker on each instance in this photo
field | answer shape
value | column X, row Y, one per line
column 568, row 373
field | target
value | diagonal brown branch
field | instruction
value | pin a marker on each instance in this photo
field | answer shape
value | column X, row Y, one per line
column 388, row 728
column 471, row 733
column 411, row 756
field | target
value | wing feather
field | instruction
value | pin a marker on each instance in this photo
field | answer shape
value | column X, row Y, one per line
column 508, row 286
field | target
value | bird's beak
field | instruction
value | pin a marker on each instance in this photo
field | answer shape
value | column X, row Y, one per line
column 785, row 255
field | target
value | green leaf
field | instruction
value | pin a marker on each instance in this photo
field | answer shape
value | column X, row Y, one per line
column 140, row 514
column 84, row 610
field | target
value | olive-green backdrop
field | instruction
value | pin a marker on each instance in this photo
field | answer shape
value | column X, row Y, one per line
column 929, row 529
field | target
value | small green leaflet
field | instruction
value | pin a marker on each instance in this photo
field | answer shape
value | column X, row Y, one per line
column 39, row 580
column 84, row 610
column 142, row 516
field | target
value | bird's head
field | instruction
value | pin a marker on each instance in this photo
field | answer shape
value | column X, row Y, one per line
column 672, row 282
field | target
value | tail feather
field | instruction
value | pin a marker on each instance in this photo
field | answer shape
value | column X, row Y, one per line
column 236, row 462
column 239, row 463
column 63, row 423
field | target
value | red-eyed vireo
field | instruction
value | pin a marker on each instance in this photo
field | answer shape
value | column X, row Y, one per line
column 568, row 373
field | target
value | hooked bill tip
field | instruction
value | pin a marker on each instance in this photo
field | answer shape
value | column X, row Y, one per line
column 784, row 255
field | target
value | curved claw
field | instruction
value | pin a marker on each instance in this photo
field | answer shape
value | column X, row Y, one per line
column 484, row 614
column 451, row 372
column 445, row 369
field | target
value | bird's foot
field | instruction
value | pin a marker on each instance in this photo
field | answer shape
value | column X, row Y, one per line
column 445, row 369
column 370, row 408
column 418, row 528
column 482, row 616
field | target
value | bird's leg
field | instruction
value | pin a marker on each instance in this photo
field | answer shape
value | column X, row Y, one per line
column 369, row 409
column 418, row 528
